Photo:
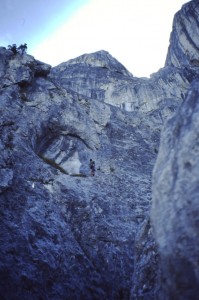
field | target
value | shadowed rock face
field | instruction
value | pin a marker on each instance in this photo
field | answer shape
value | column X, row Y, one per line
column 175, row 176
column 65, row 234
column 175, row 201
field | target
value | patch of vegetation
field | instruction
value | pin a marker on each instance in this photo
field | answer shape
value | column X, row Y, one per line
column 21, row 49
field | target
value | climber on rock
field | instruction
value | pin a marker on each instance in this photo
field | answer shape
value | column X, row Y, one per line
column 92, row 167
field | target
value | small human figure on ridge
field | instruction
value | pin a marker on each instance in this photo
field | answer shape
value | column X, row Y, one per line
column 92, row 167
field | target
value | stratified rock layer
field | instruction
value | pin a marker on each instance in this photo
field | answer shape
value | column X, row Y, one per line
column 113, row 84
column 184, row 43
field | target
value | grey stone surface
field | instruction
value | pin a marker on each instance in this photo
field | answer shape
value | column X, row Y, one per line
column 175, row 192
column 184, row 44
column 146, row 261
column 6, row 176
column 63, row 233
column 114, row 85
column 175, row 209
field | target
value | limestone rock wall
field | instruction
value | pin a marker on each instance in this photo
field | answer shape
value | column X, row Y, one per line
column 95, row 79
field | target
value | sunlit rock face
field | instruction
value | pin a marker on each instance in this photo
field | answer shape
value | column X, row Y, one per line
column 100, row 76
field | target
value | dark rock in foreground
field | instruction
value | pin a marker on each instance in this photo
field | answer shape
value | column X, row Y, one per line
column 175, row 176
column 175, row 201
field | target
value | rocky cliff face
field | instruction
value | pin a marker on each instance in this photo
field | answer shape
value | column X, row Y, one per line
column 183, row 49
column 175, row 176
column 99, row 76
column 175, row 202
column 66, row 234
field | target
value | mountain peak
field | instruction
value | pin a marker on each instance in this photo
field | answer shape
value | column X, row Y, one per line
column 99, row 58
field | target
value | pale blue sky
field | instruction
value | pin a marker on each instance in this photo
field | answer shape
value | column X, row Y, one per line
column 136, row 32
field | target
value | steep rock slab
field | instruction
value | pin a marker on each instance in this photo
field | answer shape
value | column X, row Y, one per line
column 175, row 208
